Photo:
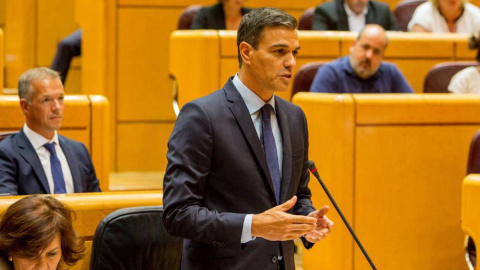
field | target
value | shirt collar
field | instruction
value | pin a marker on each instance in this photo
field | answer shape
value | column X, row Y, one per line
column 350, row 12
column 36, row 139
column 254, row 103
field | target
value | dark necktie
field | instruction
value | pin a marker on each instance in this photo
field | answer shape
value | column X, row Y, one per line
column 57, row 174
column 270, row 150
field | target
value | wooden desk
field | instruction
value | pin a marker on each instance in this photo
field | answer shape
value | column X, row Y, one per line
column 394, row 164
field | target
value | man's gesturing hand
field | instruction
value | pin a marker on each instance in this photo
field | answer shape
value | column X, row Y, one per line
column 277, row 225
column 324, row 225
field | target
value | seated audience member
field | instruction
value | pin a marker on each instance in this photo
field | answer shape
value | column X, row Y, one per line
column 363, row 70
column 467, row 80
column 68, row 48
column 224, row 15
column 353, row 15
column 36, row 232
column 37, row 159
column 445, row 16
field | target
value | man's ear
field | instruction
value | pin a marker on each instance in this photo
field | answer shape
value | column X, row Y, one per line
column 351, row 46
column 245, row 52
column 25, row 106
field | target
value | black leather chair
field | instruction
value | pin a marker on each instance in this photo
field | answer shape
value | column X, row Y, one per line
column 134, row 238
column 187, row 17
column 306, row 20
column 304, row 77
column 404, row 11
column 439, row 76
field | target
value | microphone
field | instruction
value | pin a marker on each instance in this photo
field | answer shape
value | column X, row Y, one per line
column 313, row 169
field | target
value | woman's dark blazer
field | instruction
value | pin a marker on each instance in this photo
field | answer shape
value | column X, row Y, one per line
column 212, row 17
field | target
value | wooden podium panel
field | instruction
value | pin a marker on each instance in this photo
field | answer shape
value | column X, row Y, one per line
column 394, row 164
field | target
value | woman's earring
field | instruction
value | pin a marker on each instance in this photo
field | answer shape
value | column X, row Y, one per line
column 10, row 258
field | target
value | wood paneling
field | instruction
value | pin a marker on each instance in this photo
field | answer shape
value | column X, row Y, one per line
column 143, row 146
column 394, row 164
column 34, row 28
column 144, row 89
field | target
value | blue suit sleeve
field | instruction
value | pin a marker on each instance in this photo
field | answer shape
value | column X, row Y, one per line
column 8, row 184
column 399, row 83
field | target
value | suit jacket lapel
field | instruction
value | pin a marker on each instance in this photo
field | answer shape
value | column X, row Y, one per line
column 370, row 17
column 239, row 110
column 287, row 152
column 30, row 155
column 68, row 152
column 342, row 16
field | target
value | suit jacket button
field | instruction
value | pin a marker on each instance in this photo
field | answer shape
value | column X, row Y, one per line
column 274, row 259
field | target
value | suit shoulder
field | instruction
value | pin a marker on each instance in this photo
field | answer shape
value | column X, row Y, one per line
column 205, row 107
column 209, row 100
column 209, row 9
column 288, row 106
column 390, row 67
column 379, row 5
column 8, row 143
column 71, row 142
column 328, row 7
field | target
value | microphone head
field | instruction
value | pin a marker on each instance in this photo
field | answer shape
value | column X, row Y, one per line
column 311, row 165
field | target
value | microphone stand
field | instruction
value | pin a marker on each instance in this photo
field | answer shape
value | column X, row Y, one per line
column 313, row 169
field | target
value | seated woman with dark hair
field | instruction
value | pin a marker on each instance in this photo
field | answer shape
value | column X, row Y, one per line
column 224, row 15
column 36, row 232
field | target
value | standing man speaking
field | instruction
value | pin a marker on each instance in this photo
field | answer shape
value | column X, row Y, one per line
column 236, row 183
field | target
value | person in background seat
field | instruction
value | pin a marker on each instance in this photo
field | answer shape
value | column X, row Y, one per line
column 37, row 160
column 225, row 15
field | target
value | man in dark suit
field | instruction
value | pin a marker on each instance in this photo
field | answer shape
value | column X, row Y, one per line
column 236, row 183
column 353, row 15
column 37, row 159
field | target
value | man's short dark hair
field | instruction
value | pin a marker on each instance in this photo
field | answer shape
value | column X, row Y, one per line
column 252, row 25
